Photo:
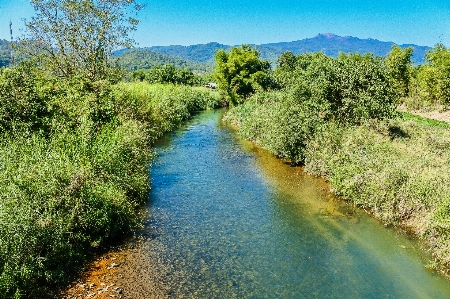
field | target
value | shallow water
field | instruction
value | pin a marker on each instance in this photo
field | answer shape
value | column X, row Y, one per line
column 231, row 221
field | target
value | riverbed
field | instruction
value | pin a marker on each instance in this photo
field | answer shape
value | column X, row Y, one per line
column 229, row 220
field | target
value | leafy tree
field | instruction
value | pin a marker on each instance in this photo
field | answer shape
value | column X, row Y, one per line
column 287, row 61
column 433, row 78
column 399, row 66
column 240, row 73
column 77, row 37
column 350, row 88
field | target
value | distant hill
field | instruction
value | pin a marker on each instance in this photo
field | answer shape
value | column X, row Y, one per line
column 200, row 53
column 138, row 59
column 5, row 52
column 328, row 43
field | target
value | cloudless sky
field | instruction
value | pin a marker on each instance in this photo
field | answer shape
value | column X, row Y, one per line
column 234, row 22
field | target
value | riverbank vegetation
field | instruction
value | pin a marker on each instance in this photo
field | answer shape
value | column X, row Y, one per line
column 74, row 168
column 338, row 118
column 75, row 158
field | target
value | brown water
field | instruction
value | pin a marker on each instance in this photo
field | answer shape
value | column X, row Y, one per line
column 231, row 221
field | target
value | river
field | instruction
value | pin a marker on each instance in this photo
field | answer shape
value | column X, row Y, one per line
column 229, row 220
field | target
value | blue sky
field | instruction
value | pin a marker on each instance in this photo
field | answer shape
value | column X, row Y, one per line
column 233, row 22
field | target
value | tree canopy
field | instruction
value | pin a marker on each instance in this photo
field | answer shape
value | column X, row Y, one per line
column 77, row 37
column 240, row 73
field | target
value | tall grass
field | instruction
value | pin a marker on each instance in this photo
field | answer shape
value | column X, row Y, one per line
column 73, row 180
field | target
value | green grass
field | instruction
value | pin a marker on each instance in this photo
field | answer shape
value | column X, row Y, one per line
column 424, row 120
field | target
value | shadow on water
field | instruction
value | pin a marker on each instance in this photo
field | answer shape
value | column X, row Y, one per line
column 231, row 221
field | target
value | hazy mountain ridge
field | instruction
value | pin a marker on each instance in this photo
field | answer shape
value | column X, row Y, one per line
column 328, row 43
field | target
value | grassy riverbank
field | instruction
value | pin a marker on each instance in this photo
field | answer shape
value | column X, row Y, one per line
column 74, row 168
column 398, row 170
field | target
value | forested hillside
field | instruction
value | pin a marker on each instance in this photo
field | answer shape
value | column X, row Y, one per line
column 144, row 59
column 200, row 53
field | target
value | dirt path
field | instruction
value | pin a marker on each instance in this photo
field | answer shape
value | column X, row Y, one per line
column 442, row 116
column 435, row 114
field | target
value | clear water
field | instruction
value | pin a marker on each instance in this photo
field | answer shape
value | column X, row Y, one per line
column 231, row 221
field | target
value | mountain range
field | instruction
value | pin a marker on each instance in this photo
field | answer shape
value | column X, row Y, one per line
column 200, row 58
column 328, row 43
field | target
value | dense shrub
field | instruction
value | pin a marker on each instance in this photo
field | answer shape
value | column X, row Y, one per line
column 316, row 89
column 167, row 74
column 24, row 94
column 279, row 122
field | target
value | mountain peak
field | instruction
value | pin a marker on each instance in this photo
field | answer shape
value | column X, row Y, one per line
column 328, row 35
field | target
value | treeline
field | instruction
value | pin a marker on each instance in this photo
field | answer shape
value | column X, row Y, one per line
column 338, row 118
column 168, row 74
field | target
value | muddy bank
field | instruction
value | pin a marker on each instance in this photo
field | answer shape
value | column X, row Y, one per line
column 127, row 272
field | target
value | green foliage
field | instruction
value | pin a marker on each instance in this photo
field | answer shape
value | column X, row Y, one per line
column 316, row 89
column 23, row 95
column 60, row 196
column 350, row 88
column 78, row 37
column 240, row 73
column 361, row 90
column 280, row 122
column 167, row 74
column 74, row 162
column 399, row 67
column 433, row 78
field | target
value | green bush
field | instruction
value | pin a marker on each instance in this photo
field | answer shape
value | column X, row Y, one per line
column 166, row 74
column 279, row 122
column 316, row 89
column 23, row 99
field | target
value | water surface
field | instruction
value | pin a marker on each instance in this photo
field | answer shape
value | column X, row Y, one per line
column 232, row 221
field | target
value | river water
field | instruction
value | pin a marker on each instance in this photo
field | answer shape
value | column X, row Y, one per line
column 231, row 221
